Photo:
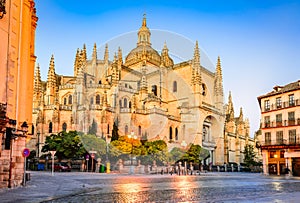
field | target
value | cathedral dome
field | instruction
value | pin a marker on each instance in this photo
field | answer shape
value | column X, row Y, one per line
column 143, row 51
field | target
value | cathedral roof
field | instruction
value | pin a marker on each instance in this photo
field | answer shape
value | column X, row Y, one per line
column 143, row 51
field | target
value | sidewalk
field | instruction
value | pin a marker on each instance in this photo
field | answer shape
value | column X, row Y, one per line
column 43, row 187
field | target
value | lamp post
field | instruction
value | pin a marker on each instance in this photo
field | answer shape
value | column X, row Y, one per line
column 108, row 137
column 52, row 156
column 132, row 137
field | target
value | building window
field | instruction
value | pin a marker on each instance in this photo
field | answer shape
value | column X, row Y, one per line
column 279, row 137
column 175, row 86
column 291, row 118
column 70, row 99
column 203, row 89
column 267, row 121
column 268, row 138
column 129, row 105
column 176, row 133
column 98, row 99
column 170, row 134
column 278, row 120
column 278, row 103
column 92, row 100
column 125, row 103
column 272, row 154
column 154, row 89
column 64, row 127
column 140, row 130
column 281, row 154
column 50, row 127
column 120, row 103
column 292, row 136
column 108, row 129
column 291, row 100
column 267, row 105
column 126, row 129
column 65, row 101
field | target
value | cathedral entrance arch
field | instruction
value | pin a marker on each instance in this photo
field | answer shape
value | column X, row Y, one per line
column 210, row 133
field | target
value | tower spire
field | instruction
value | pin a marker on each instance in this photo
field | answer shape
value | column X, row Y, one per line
column 94, row 52
column 144, row 34
column 106, row 54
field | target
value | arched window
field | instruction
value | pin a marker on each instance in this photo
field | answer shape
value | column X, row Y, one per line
column 100, row 82
column 203, row 89
column 120, row 103
column 70, row 99
column 126, row 129
column 64, row 127
column 125, row 103
column 92, row 100
column 50, row 127
column 65, row 101
column 130, row 106
column 175, row 86
column 98, row 99
column 176, row 133
column 140, row 130
column 170, row 134
column 154, row 90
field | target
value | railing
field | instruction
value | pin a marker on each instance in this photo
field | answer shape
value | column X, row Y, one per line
column 125, row 110
column 95, row 107
column 67, row 86
column 295, row 141
column 65, row 107
column 127, row 89
column 286, row 104
column 94, row 85
column 284, row 123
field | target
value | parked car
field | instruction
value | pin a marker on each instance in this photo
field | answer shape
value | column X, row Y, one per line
column 62, row 166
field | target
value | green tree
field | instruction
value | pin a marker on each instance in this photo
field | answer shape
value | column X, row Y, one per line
column 94, row 143
column 155, row 151
column 176, row 154
column 93, row 128
column 250, row 156
column 115, row 134
column 67, row 145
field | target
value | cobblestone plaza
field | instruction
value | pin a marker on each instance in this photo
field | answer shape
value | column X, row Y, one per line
column 206, row 187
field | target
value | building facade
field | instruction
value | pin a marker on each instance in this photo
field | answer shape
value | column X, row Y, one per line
column 236, row 135
column 280, row 126
column 144, row 92
column 17, row 59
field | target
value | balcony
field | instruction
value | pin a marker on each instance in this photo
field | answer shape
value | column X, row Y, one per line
column 279, row 144
column 283, row 105
column 278, row 124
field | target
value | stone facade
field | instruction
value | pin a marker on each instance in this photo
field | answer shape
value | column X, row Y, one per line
column 145, row 93
column 236, row 135
column 17, row 59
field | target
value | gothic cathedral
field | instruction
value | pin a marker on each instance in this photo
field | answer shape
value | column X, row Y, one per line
column 145, row 93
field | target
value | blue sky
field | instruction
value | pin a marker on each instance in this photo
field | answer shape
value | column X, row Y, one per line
column 258, row 41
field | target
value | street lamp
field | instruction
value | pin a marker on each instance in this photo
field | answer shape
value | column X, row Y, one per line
column 52, row 155
column 132, row 137
column 108, row 137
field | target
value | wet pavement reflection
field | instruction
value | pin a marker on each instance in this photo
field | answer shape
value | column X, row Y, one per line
column 165, row 188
